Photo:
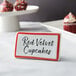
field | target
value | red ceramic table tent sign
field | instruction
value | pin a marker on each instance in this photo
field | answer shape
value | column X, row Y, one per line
column 42, row 46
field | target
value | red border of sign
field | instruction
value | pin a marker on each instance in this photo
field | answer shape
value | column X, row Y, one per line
column 40, row 58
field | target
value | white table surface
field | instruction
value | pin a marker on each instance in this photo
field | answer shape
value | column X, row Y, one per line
column 11, row 66
column 57, row 23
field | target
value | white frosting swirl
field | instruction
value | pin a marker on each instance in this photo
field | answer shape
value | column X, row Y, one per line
column 70, row 18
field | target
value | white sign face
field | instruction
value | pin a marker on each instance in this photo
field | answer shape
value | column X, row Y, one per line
column 43, row 46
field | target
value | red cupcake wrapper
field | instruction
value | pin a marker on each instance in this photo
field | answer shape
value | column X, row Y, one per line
column 71, row 28
column 68, row 28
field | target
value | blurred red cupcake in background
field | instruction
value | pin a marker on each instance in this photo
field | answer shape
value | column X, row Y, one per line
column 20, row 5
column 6, row 6
column 70, row 23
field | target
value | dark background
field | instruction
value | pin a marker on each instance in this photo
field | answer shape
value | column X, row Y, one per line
column 49, row 10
